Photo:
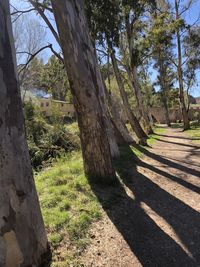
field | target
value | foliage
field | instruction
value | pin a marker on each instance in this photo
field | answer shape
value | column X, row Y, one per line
column 47, row 141
column 54, row 79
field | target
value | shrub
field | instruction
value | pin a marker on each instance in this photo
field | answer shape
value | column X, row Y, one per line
column 47, row 139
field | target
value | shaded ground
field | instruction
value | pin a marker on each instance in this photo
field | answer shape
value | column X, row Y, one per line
column 152, row 217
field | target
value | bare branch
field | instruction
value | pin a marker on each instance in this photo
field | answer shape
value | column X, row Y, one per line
column 21, row 11
column 32, row 57
column 186, row 7
column 46, row 20
column 176, row 65
column 56, row 54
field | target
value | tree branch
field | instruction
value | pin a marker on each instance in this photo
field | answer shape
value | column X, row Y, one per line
column 46, row 20
column 21, row 11
column 32, row 56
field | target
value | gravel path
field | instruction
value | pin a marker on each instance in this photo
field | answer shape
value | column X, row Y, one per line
column 152, row 218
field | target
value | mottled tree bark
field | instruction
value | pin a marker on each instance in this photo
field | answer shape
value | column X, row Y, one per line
column 23, row 240
column 141, row 135
column 86, row 87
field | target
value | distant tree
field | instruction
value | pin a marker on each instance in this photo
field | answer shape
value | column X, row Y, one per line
column 28, row 37
column 53, row 79
column 160, row 36
column 105, row 30
column 22, row 234
column 191, row 43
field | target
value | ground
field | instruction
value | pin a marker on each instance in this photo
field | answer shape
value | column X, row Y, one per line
column 152, row 217
column 149, row 218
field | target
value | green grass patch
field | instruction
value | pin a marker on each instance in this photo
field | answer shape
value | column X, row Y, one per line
column 68, row 206
column 194, row 132
column 153, row 137
column 176, row 125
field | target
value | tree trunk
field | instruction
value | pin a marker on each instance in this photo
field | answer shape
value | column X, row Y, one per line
column 133, row 77
column 119, row 125
column 186, row 122
column 163, row 90
column 86, row 87
column 132, row 74
column 23, row 240
column 141, row 135
column 166, row 110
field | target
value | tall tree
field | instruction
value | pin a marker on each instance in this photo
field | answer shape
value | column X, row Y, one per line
column 86, row 87
column 105, row 29
column 160, row 36
column 23, row 240
column 131, row 26
column 141, row 135
column 186, row 123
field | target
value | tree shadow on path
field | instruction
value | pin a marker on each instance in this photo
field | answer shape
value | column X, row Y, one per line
column 150, row 243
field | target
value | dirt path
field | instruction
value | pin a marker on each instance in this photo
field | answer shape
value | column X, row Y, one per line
column 153, row 218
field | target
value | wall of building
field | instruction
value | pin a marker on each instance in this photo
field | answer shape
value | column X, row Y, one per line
column 47, row 106
column 174, row 114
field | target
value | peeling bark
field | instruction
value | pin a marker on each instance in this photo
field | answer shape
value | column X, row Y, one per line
column 23, row 241
column 86, row 87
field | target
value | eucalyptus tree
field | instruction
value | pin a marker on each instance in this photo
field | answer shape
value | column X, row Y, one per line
column 86, row 86
column 179, row 65
column 132, row 25
column 191, row 43
column 23, row 241
column 160, row 36
column 104, row 21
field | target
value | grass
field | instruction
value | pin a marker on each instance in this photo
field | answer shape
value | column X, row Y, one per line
column 194, row 132
column 153, row 137
column 68, row 206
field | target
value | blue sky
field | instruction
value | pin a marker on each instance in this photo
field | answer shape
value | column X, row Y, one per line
column 190, row 17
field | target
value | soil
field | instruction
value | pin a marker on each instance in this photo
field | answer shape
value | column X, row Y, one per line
column 152, row 218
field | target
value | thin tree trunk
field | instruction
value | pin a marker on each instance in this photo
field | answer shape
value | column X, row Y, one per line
column 133, row 77
column 117, row 121
column 23, row 241
column 120, row 124
column 163, row 88
column 186, row 122
column 86, row 87
column 141, row 135
column 166, row 110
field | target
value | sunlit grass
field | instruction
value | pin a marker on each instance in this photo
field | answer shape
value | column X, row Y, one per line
column 68, row 206
column 153, row 137
column 194, row 132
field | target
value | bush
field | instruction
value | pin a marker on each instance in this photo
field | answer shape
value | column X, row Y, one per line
column 47, row 139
